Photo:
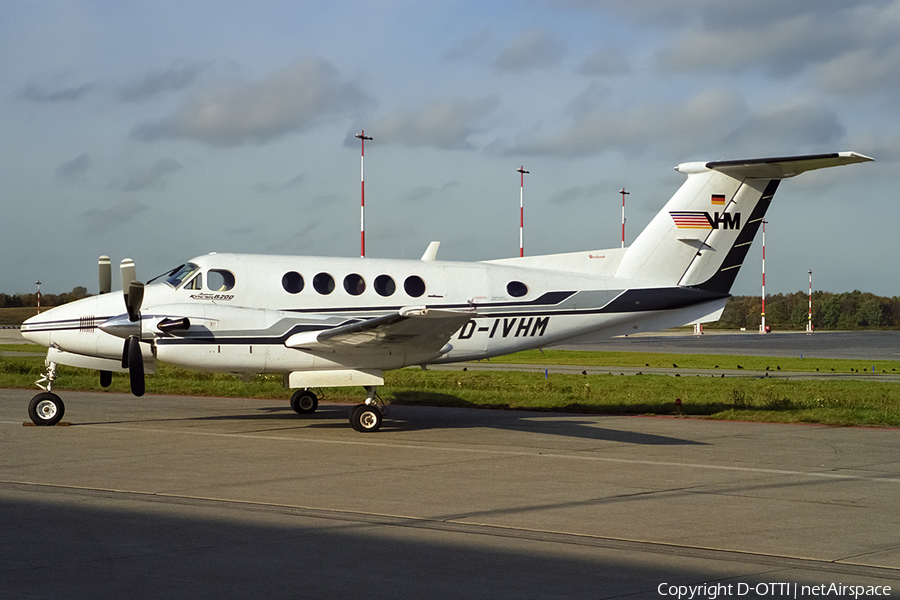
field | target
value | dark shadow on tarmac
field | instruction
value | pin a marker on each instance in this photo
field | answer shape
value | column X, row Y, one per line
column 83, row 544
column 401, row 418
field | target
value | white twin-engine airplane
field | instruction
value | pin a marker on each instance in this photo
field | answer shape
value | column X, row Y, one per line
column 323, row 322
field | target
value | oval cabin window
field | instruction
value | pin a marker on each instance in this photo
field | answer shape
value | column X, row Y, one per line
column 323, row 283
column 385, row 286
column 292, row 282
column 354, row 284
column 516, row 289
column 414, row 286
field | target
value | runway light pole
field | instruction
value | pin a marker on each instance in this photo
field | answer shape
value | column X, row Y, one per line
column 362, row 203
column 522, row 172
column 809, row 325
column 624, row 193
column 762, row 324
column 38, row 283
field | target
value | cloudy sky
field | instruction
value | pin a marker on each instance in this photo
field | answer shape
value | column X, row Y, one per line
column 168, row 129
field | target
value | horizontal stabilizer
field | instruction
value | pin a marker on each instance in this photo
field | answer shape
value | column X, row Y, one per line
column 782, row 168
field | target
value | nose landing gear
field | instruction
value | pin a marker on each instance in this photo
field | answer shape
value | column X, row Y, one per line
column 46, row 408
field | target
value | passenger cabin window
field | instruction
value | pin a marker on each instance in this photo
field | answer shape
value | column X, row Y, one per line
column 414, row 286
column 219, row 280
column 323, row 283
column 516, row 289
column 292, row 282
column 385, row 286
column 354, row 284
column 181, row 274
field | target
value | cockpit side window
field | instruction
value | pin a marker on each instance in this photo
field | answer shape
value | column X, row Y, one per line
column 182, row 274
column 219, row 280
column 196, row 283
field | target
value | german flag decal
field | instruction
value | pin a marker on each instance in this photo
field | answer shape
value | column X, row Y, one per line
column 689, row 219
column 718, row 199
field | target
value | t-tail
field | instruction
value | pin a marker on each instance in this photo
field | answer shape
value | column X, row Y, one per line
column 701, row 237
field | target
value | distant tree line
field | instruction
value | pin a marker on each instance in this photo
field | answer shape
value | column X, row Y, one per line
column 848, row 310
column 25, row 300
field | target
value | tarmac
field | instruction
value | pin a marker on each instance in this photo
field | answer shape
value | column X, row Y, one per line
column 175, row 497
column 169, row 497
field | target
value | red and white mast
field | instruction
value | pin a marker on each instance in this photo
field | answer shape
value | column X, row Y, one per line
column 624, row 193
column 362, row 205
column 762, row 324
column 521, row 170
column 809, row 326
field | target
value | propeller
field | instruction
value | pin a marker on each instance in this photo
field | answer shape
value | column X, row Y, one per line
column 129, row 326
column 132, row 359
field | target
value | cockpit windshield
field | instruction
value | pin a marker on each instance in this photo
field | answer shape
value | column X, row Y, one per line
column 182, row 274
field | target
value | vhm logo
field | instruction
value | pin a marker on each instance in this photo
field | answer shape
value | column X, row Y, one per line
column 695, row 219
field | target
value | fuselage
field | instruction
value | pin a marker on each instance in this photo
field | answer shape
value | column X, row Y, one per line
column 243, row 308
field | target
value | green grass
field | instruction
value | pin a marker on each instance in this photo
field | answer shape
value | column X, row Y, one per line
column 692, row 361
column 841, row 403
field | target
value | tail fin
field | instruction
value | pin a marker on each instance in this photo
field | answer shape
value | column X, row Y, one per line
column 702, row 235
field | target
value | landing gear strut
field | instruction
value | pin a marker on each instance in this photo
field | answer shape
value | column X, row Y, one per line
column 46, row 408
column 366, row 418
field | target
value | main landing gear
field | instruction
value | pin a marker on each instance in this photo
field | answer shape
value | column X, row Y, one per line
column 365, row 418
column 46, row 408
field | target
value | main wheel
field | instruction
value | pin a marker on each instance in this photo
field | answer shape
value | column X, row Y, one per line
column 46, row 409
column 365, row 418
column 304, row 402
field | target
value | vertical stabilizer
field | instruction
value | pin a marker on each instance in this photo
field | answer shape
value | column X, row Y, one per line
column 703, row 234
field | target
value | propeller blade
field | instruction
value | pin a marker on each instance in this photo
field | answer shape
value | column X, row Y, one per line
column 133, row 300
column 125, row 354
column 105, row 274
column 105, row 378
column 135, row 365
column 128, row 272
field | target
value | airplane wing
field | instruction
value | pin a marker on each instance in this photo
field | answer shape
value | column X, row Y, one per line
column 410, row 330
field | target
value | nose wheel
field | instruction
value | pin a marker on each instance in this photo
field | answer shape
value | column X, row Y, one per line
column 46, row 409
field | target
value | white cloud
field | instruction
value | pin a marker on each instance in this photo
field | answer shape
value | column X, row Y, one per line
column 153, row 177
column 292, row 99
column 442, row 124
column 175, row 78
column 699, row 123
column 99, row 221
column 531, row 50
column 41, row 94
column 804, row 125
column 74, row 169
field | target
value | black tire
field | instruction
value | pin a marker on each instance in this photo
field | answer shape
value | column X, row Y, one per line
column 304, row 402
column 365, row 418
column 46, row 409
column 135, row 366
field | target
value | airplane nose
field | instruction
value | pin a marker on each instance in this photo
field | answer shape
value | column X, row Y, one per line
column 37, row 329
